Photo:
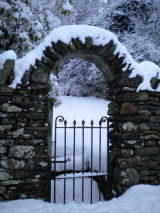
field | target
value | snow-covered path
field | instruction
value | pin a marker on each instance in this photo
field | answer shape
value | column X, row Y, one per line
column 79, row 108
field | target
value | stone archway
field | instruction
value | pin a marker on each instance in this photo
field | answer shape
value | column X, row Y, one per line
column 26, row 113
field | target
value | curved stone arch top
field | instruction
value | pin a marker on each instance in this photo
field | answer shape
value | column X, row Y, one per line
column 110, row 64
column 94, row 44
column 103, row 57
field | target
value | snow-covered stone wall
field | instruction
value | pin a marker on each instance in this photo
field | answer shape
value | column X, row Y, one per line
column 25, row 112
column 135, row 138
column 24, row 133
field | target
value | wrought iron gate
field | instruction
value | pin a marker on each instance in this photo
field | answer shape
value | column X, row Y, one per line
column 80, row 153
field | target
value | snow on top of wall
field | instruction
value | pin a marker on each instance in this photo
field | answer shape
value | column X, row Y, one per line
column 100, row 37
column 5, row 56
column 147, row 70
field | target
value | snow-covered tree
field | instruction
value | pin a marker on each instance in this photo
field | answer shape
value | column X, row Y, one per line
column 137, row 25
column 80, row 78
column 23, row 23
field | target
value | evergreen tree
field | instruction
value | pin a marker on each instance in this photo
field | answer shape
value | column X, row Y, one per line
column 24, row 23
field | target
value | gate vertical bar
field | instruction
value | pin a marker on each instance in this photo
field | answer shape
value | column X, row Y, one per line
column 105, row 119
column 55, row 141
column 65, row 124
column 108, row 159
column 60, row 119
column 83, row 122
column 100, row 137
column 91, row 160
column 74, row 150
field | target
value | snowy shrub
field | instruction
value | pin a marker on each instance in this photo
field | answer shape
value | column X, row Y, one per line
column 80, row 78
column 126, row 12
column 138, row 46
column 137, row 25
column 24, row 23
column 54, row 90
column 65, row 7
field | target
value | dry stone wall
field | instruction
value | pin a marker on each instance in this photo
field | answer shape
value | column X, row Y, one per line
column 24, row 129
column 135, row 136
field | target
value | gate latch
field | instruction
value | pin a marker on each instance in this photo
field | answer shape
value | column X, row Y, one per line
column 61, row 161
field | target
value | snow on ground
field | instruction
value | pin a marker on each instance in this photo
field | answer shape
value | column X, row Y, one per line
column 137, row 199
column 100, row 37
column 79, row 108
column 78, row 190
